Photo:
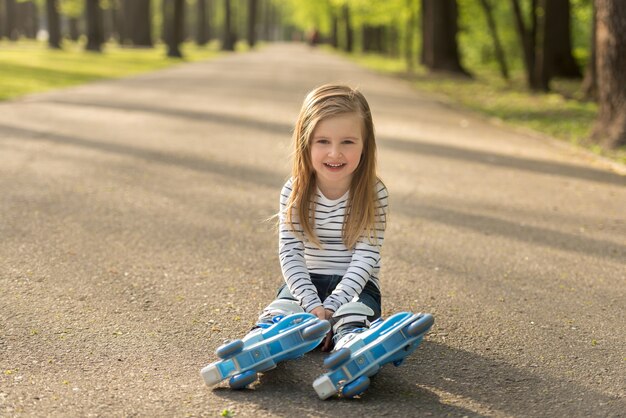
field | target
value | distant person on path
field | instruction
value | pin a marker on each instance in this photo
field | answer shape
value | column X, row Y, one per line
column 332, row 217
column 314, row 37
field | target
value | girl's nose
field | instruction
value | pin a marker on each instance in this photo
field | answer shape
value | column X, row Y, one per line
column 335, row 152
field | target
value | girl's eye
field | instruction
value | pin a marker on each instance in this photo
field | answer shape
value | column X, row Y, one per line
column 348, row 141
column 322, row 141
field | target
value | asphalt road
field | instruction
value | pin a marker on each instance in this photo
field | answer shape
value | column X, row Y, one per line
column 134, row 241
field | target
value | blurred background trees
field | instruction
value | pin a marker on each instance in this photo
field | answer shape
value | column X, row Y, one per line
column 543, row 40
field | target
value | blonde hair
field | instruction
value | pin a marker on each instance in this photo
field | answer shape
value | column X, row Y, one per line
column 324, row 102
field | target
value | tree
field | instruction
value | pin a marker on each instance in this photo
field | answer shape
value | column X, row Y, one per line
column 440, row 50
column 411, row 24
column 202, row 35
column 228, row 37
column 94, row 25
column 563, row 62
column 610, row 127
column 546, row 45
column 334, row 31
column 497, row 45
column 54, row 28
column 177, row 24
column 140, row 23
column 74, row 11
column 349, row 40
column 10, row 12
column 252, row 12
column 27, row 20
column 590, row 82
column 527, row 39
column 544, row 51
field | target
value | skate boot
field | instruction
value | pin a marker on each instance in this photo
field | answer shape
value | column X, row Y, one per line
column 360, row 354
column 284, row 332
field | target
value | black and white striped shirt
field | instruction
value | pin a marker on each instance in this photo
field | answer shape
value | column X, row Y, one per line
column 299, row 257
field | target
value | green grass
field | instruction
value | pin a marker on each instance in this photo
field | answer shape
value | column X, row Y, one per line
column 30, row 66
column 559, row 114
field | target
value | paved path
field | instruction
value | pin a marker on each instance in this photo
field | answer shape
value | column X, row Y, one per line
column 133, row 242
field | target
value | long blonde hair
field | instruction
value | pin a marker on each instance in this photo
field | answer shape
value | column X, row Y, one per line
column 324, row 102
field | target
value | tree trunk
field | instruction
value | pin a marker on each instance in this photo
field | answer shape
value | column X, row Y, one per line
column 610, row 126
column 334, row 30
column 93, row 15
column 440, row 50
column 348, row 29
column 252, row 9
column 177, row 23
column 394, row 40
column 201, row 24
column 590, row 82
column 114, row 20
column 410, row 34
column 28, row 24
column 124, row 20
column 167, row 10
column 366, row 38
column 497, row 46
column 2, row 19
column 74, row 32
column 228, row 38
column 545, row 48
column 268, row 24
column 563, row 62
column 527, row 39
column 11, row 30
column 140, row 23
column 54, row 28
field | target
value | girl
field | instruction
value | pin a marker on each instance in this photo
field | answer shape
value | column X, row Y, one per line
column 332, row 216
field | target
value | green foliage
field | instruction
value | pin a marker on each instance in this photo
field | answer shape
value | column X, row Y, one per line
column 475, row 42
column 557, row 114
column 71, row 8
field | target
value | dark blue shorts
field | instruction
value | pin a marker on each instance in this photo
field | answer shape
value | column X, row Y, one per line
column 325, row 284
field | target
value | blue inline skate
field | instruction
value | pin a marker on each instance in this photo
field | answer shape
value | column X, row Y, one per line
column 280, row 335
column 360, row 355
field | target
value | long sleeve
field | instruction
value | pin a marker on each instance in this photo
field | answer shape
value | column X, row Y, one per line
column 365, row 259
column 292, row 261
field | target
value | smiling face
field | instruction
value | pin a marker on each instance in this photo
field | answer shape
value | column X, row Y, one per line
column 336, row 148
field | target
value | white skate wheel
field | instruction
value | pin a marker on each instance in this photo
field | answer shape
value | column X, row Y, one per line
column 211, row 375
column 324, row 387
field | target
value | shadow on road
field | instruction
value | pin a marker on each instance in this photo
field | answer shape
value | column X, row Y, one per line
column 490, row 225
column 239, row 172
column 500, row 160
column 445, row 215
column 220, row 118
column 398, row 144
column 431, row 382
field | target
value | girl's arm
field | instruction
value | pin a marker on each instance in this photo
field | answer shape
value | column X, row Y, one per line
column 291, row 255
column 365, row 259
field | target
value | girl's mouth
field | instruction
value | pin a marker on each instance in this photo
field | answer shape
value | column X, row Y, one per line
column 334, row 166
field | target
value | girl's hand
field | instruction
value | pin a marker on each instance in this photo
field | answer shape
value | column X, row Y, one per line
column 320, row 312
column 327, row 345
column 326, row 314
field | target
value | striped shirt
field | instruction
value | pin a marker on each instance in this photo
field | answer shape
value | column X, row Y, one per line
column 299, row 257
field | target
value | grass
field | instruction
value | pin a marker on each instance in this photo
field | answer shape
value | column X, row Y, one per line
column 31, row 67
column 560, row 114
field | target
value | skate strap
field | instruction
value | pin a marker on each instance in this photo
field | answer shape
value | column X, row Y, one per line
column 355, row 320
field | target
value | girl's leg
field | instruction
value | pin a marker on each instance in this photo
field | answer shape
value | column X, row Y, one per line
column 355, row 317
column 284, row 304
